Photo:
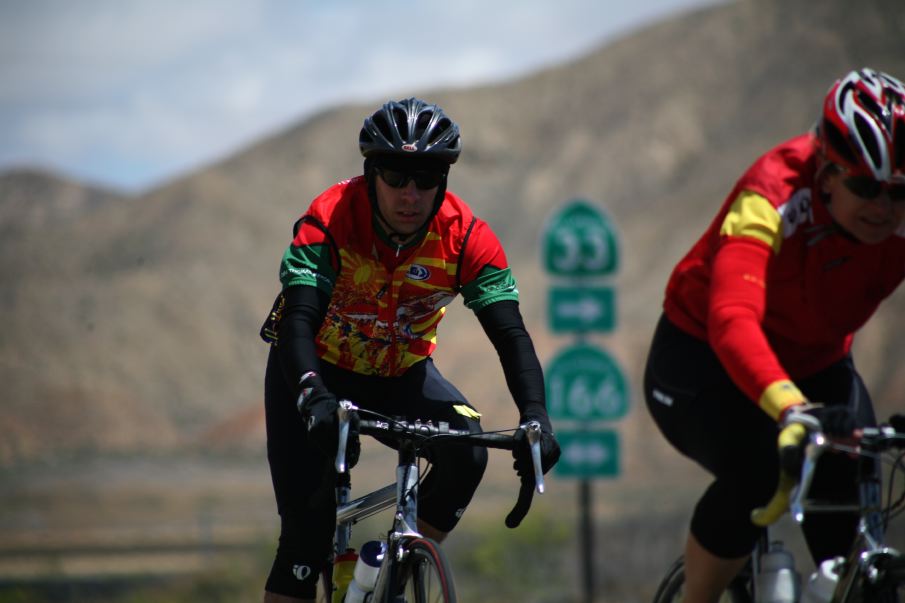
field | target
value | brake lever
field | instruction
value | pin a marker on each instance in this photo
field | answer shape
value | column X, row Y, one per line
column 526, row 492
column 342, row 413
column 533, row 431
column 817, row 443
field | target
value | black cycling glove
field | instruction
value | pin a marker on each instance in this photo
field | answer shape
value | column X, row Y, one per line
column 319, row 409
column 837, row 420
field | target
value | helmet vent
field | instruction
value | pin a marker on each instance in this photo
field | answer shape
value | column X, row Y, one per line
column 898, row 137
column 441, row 128
column 382, row 125
column 868, row 138
column 895, row 99
column 838, row 142
column 874, row 108
column 402, row 123
column 895, row 104
column 423, row 123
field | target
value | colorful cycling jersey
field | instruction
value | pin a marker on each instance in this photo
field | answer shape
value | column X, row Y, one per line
column 774, row 285
column 386, row 302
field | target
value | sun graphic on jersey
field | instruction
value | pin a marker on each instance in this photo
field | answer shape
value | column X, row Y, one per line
column 359, row 284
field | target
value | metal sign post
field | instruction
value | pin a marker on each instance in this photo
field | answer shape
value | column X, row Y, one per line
column 585, row 385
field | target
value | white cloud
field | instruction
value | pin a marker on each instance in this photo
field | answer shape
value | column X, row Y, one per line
column 160, row 86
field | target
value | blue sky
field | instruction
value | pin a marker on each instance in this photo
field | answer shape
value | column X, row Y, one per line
column 131, row 93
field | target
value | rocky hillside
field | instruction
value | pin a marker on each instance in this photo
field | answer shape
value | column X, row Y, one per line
column 131, row 322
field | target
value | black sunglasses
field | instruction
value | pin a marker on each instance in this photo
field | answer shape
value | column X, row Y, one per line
column 423, row 180
column 868, row 188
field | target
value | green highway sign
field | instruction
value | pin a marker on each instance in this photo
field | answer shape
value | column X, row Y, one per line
column 585, row 384
column 580, row 241
column 588, row 454
column 582, row 309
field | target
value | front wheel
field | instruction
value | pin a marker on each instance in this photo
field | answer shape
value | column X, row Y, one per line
column 425, row 576
column 672, row 587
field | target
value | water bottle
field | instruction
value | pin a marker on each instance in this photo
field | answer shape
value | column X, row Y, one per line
column 366, row 568
column 777, row 581
column 822, row 582
column 343, row 569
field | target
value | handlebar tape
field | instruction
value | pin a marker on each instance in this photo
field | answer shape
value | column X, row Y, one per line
column 792, row 436
column 522, row 505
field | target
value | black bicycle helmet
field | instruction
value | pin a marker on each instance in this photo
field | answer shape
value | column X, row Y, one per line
column 410, row 128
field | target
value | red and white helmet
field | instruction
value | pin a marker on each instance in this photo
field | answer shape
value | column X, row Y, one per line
column 863, row 125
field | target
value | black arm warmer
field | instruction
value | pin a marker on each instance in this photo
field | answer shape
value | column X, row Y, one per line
column 505, row 328
column 302, row 317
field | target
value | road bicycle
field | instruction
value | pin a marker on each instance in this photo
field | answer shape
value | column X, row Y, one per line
column 872, row 572
column 414, row 568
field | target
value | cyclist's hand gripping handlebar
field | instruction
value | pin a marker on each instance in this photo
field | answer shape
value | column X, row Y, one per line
column 795, row 470
column 532, row 432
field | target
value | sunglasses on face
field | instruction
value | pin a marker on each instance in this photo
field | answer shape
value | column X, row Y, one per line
column 868, row 188
column 398, row 179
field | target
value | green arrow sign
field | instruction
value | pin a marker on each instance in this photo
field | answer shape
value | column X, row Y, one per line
column 588, row 453
column 580, row 241
column 582, row 309
column 585, row 384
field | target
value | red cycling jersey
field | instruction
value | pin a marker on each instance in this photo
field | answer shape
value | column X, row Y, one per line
column 774, row 285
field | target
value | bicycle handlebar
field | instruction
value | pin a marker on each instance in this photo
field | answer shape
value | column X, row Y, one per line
column 795, row 437
column 403, row 430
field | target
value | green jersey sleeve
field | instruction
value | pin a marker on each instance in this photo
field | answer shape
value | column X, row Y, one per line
column 308, row 265
column 490, row 286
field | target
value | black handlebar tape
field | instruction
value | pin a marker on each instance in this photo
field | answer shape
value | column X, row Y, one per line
column 523, row 504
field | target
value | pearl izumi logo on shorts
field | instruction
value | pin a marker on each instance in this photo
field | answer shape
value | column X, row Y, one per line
column 662, row 398
column 301, row 571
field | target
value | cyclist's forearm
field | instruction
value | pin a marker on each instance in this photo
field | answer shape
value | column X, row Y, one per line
column 736, row 311
column 503, row 324
column 302, row 316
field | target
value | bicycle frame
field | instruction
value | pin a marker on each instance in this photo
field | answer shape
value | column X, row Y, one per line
column 869, row 546
column 403, row 493
column 873, row 570
column 405, row 521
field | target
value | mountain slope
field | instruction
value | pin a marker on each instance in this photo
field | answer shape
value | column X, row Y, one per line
column 132, row 323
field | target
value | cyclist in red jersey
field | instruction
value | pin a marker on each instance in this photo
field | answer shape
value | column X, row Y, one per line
column 373, row 264
column 760, row 314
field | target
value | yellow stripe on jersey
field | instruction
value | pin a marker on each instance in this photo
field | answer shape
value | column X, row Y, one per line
column 751, row 215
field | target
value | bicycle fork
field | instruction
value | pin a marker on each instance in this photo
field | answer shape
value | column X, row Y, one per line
column 405, row 524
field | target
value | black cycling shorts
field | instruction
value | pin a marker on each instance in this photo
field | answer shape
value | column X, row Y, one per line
column 707, row 418
column 304, row 479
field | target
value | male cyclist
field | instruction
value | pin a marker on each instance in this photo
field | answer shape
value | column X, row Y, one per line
column 373, row 264
column 759, row 318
